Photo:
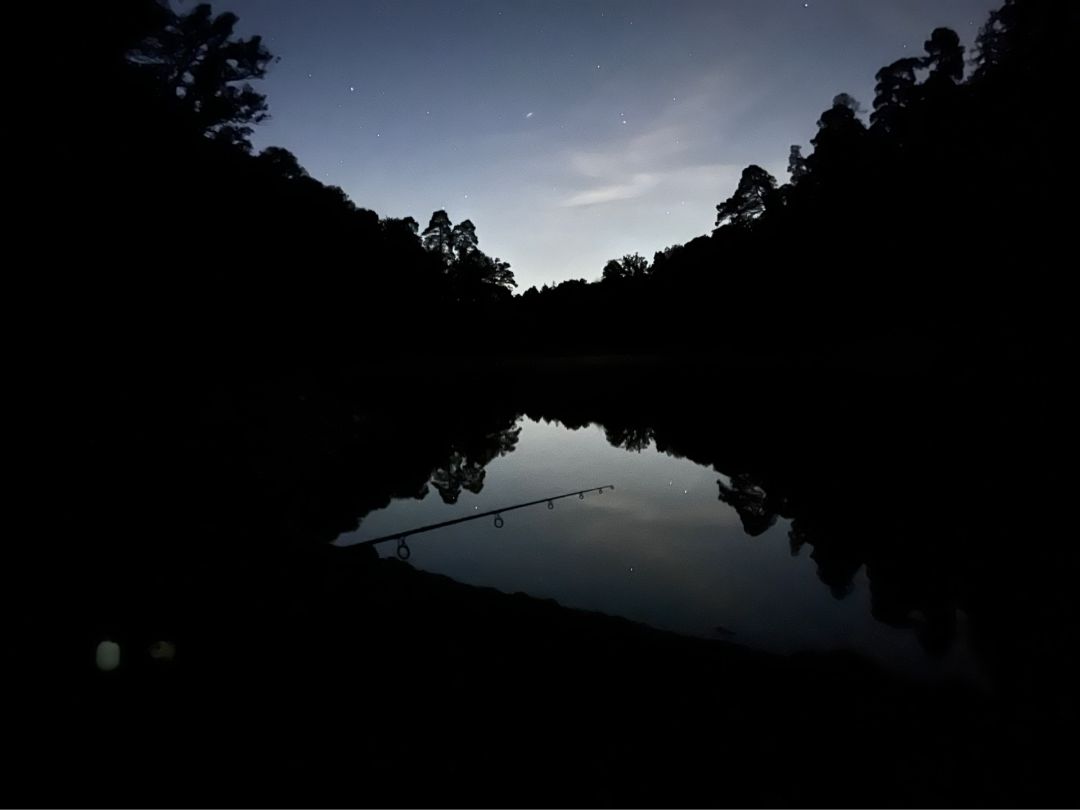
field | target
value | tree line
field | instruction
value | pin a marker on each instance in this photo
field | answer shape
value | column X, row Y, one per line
column 209, row 255
column 941, row 214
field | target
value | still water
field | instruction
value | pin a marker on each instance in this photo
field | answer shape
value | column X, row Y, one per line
column 661, row 549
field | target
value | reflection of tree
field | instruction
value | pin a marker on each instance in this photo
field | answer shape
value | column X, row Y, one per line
column 632, row 437
column 837, row 565
column 845, row 517
column 745, row 496
column 464, row 468
column 459, row 473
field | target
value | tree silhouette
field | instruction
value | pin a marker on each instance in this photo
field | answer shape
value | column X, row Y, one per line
column 613, row 271
column 198, row 66
column 402, row 225
column 635, row 265
column 473, row 275
column 754, row 195
column 894, row 93
column 839, row 133
column 438, row 236
column 1029, row 36
column 282, row 162
column 630, row 266
column 796, row 164
column 478, row 277
column 463, row 239
column 945, row 56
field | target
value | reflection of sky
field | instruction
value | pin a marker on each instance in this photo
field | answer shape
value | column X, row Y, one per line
column 661, row 549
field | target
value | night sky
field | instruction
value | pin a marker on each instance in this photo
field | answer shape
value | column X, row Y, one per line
column 570, row 132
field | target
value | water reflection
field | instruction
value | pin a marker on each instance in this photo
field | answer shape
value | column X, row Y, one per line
column 904, row 546
column 672, row 547
column 465, row 466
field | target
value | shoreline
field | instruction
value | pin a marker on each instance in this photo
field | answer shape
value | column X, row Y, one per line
column 368, row 672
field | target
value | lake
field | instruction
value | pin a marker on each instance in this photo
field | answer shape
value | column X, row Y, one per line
column 661, row 548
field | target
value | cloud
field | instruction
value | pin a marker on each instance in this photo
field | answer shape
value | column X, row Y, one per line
column 663, row 163
column 645, row 151
column 627, row 168
column 639, row 184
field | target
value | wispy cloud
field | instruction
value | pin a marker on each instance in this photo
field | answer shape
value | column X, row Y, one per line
column 625, row 169
column 672, row 156
column 638, row 185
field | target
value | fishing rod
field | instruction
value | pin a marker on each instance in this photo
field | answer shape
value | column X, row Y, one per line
column 403, row 549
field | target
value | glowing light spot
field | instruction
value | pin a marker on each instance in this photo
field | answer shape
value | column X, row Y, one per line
column 108, row 656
